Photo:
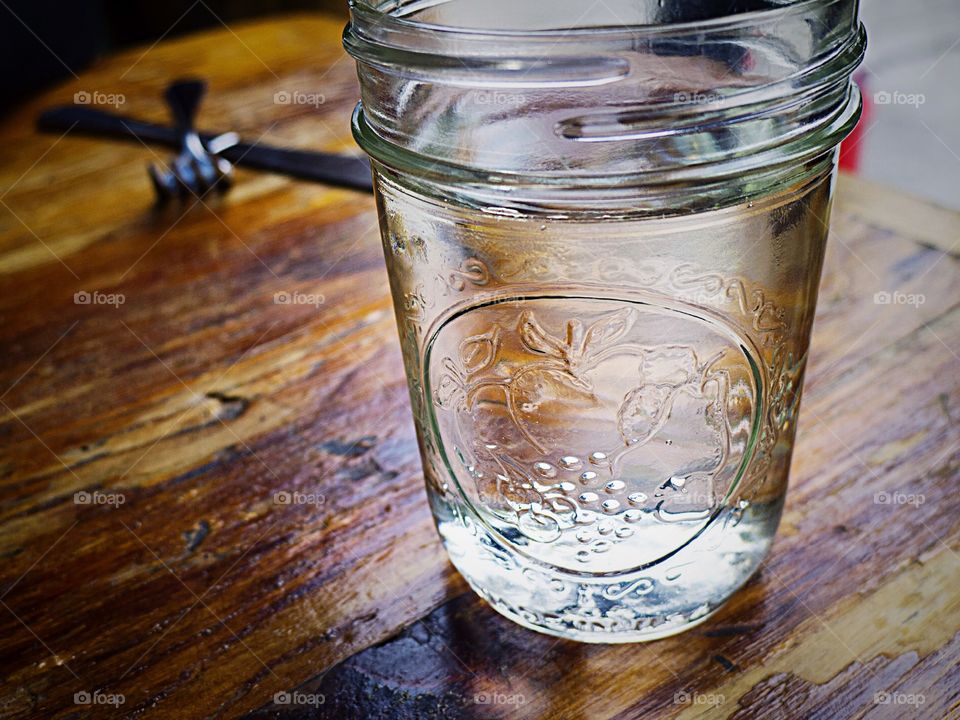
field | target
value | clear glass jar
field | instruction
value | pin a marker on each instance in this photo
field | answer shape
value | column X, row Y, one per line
column 604, row 232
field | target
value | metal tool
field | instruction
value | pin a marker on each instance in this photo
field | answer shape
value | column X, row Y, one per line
column 197, row 169
column 349, row 171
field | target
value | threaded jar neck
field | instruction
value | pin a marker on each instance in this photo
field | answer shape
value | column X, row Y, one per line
column 634, row 97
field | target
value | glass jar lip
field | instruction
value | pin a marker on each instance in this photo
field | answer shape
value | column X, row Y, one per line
column 387, row 21
column 775, row 84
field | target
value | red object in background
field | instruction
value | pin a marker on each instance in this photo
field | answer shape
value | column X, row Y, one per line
column 850, row 148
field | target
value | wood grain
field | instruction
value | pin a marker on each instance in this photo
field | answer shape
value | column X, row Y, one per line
column 200, row 401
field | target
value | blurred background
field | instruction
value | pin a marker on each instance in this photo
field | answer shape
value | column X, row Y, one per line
column 909, row 137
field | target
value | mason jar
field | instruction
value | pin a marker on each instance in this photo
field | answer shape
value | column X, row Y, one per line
column 604, row 230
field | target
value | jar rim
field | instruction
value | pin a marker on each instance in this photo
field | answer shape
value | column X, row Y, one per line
column 365, row 11
column 678, row 104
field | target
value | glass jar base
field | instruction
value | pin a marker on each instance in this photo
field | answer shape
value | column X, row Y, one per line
column 664, row 628
column 663, row 599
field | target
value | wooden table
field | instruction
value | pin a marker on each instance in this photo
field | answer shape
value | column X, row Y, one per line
column 184, row 582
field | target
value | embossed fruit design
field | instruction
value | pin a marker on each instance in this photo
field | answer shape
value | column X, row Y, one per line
column 553, row 422
column 664, row 374
column 561, row 376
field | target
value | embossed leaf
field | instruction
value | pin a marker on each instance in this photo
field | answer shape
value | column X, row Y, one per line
column 538, row 340
column 609, row 329
column 479, row 352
